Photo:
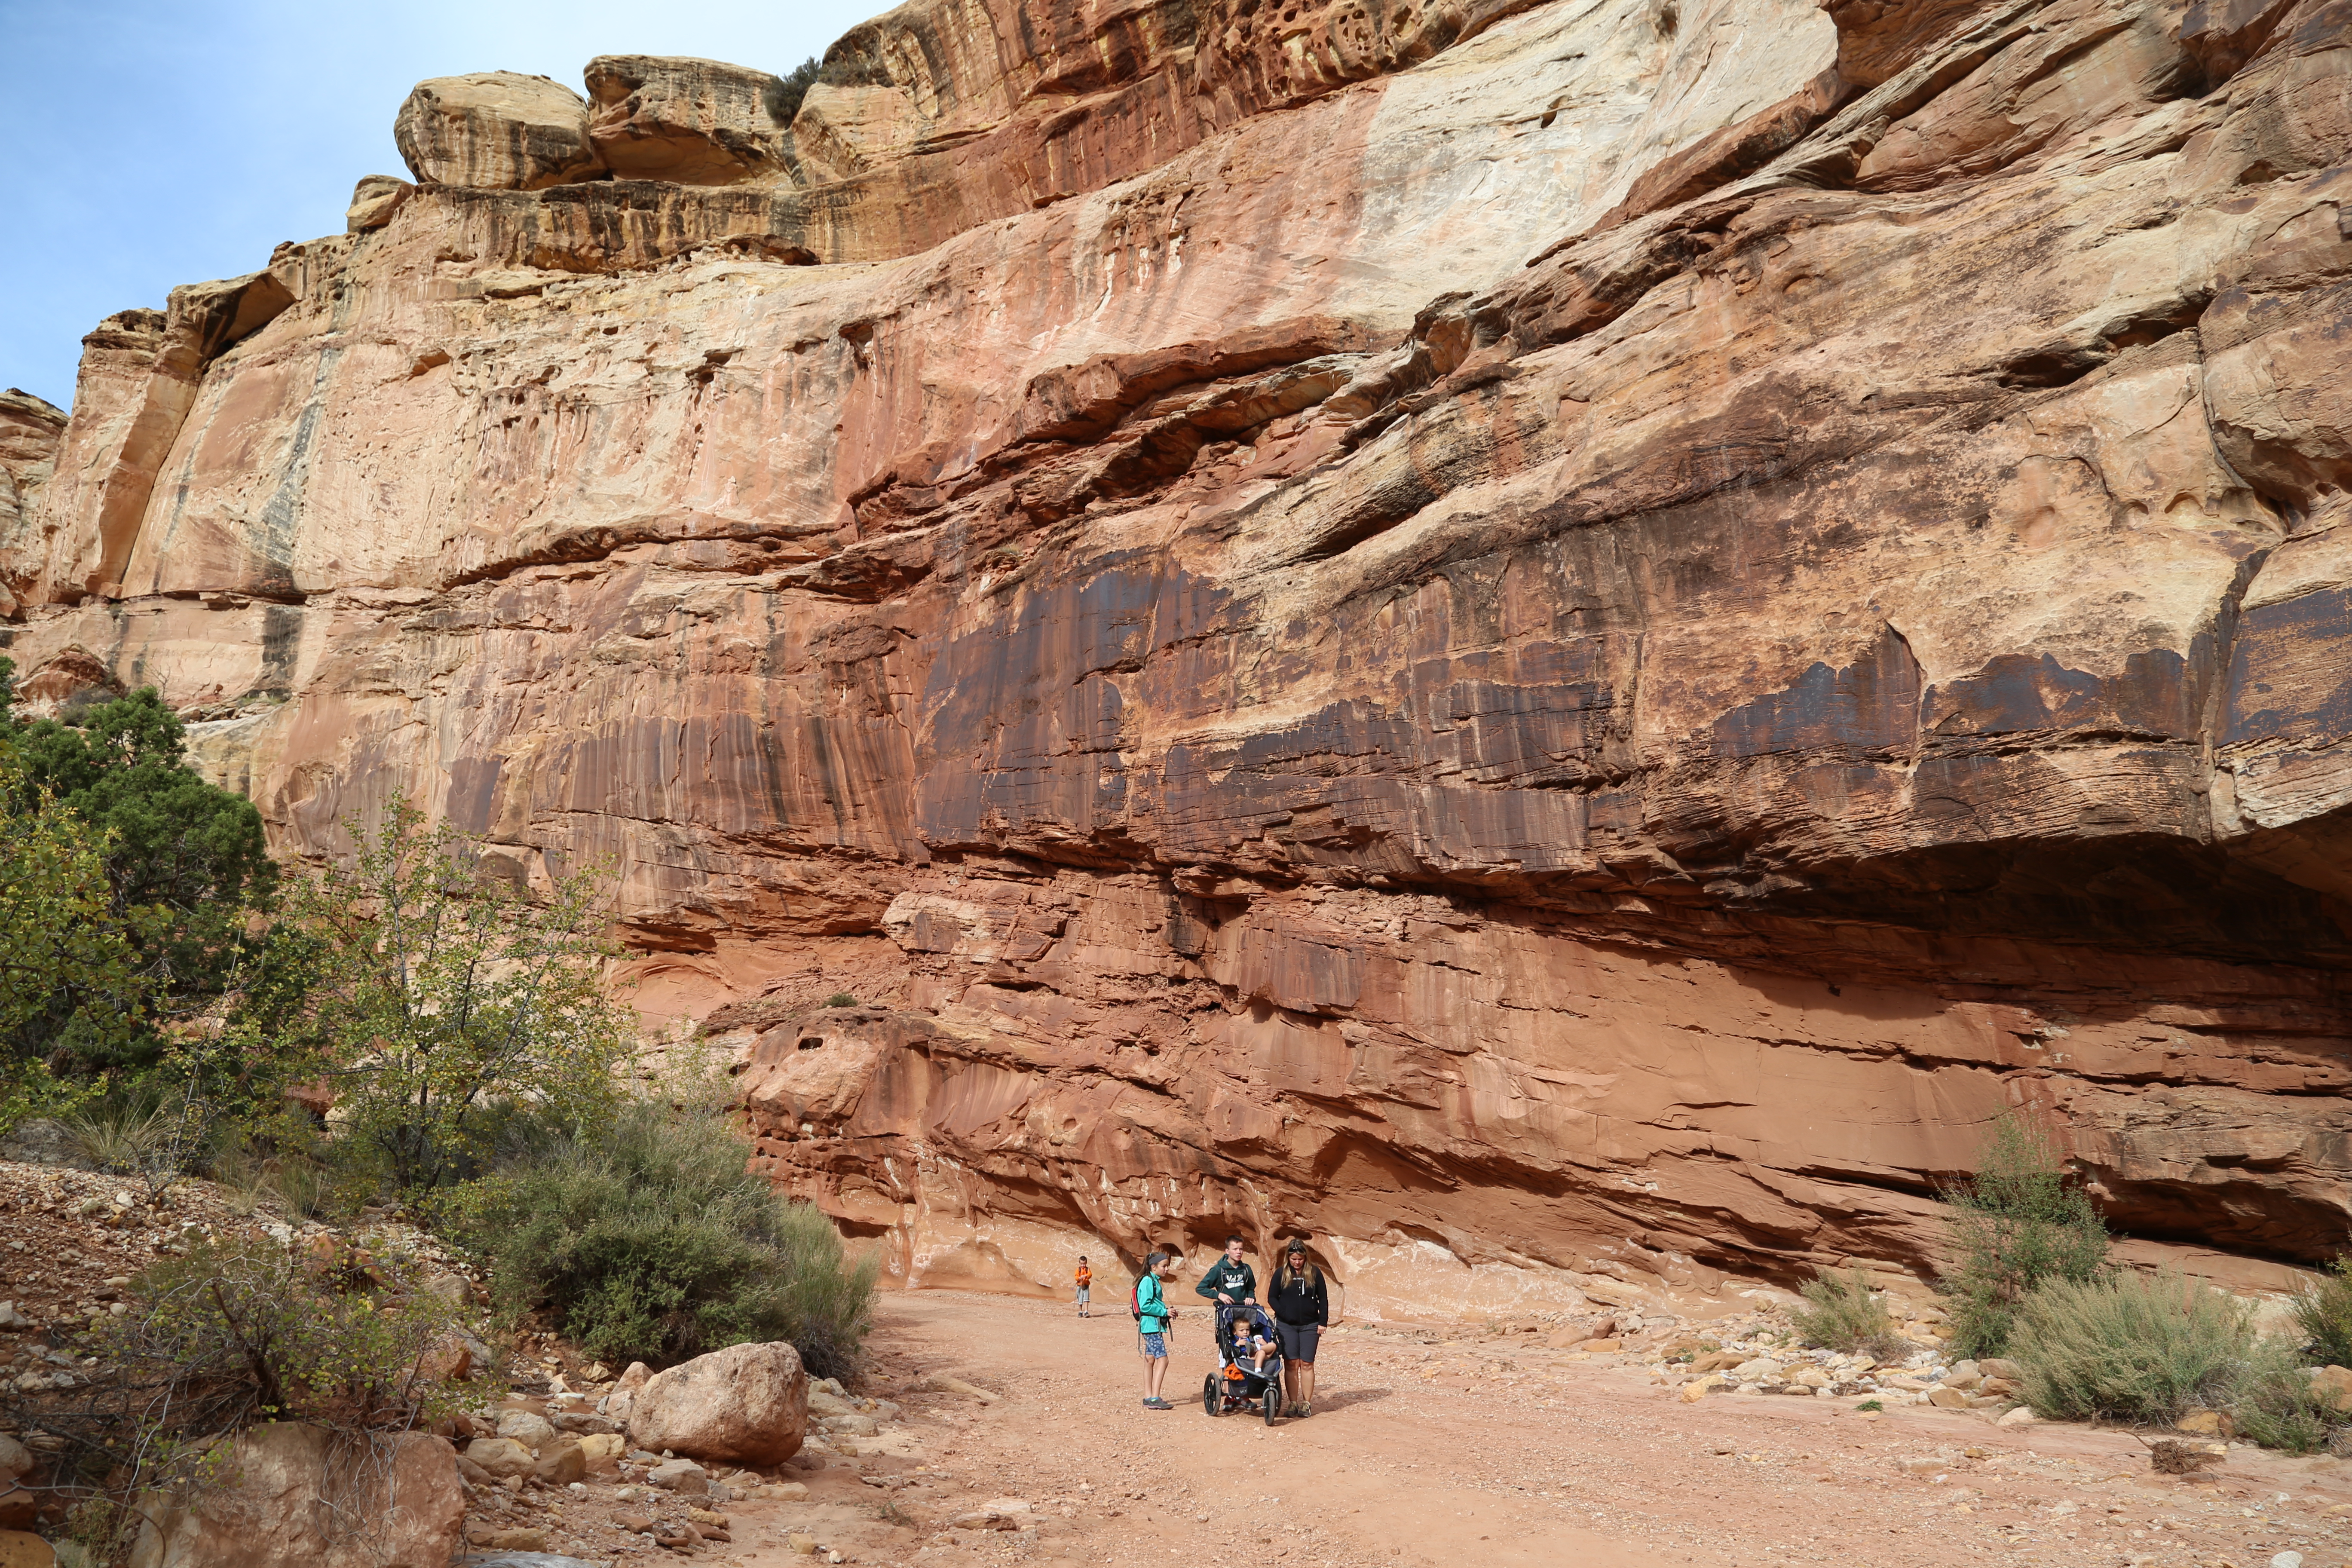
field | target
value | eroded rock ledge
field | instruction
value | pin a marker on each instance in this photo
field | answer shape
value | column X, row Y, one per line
column 1561, row 642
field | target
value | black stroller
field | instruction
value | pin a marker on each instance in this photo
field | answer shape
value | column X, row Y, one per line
column 1238, row 1383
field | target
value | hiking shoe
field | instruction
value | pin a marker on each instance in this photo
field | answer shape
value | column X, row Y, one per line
column 1157, row 1404
column 1305, row 1410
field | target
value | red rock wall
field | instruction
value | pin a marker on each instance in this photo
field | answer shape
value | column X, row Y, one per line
column 1561, row 645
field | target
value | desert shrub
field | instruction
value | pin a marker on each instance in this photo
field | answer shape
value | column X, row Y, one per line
column 1843, row 1313
column 784, row 97
column 841, row 999
column 2278, row 1405
column 440, row 1001
column 2131, row 1347
column 2017, row 1223
column 2324, row 1313
column 656, row 1242
column 231, row 1335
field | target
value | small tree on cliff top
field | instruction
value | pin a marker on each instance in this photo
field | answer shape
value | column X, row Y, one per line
column 2017, row 1223
column 441, row 1004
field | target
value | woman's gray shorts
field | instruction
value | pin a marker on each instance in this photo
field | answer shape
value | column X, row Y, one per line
column 1298, row 1341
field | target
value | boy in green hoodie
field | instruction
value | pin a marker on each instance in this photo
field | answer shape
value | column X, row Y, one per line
column 1229, row 1279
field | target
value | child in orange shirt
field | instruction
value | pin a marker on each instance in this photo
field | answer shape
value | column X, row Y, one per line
column 1085, row 1286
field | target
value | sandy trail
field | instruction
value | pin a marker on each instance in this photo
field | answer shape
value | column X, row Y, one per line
column 1485, row 1452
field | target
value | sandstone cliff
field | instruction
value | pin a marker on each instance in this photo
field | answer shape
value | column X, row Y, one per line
column 1561, row 641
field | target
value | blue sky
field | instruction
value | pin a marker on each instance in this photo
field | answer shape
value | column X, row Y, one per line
column 150, row 145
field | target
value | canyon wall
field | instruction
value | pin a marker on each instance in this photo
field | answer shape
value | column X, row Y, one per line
column 1561, row 642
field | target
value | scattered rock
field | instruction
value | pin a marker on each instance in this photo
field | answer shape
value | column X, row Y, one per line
column 781, row 1491
column 2206, row 1423
column 2021, row 1416
column 680, row 1476
column 1699, row 1388
column 19, row 1503
column 515, row 1540
column 746, row 1405
column 2334, row 1380
column 561, row 1465
column 939, row 1383
column 1001, row 1513
column 1948, row 1398
column 13, row 1321
column 2001, row 1367
column 603, row 1450
column 528, row 1427
column 500, row 1456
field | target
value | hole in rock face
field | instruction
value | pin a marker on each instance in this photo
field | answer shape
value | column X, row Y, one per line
column 2061, row 367
column 812, row 1042
column 1669, row 18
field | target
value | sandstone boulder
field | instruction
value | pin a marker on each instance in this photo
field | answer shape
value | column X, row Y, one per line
column 2331, row 1383
column 699, row 123
column 603, row 1450
column 500, row 1456
column 680, row 1476
column 2001, row 1367
column 528, row 1427
column 374, row 200
column 396, row 1503
column 561, row 1464
column 495, row 130
column 746, row 1405
column 21, row 1549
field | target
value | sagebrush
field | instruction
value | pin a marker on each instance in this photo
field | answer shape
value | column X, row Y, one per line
column 1843, row 1313
column 2019, row 1222
column 655, row 1242
column 2324, row 1313
column 2129, row 1347
column 2278, row 1405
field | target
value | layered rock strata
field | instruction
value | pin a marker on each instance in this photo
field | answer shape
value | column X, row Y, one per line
column 1562, row 642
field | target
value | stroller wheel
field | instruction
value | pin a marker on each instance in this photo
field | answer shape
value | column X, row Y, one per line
column 1210, row 1398
column 1273, row 1400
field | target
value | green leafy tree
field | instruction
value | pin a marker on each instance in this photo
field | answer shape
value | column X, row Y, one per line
column 2019, row 1222
column 440, row 1003
column 58, row 932
column 184, row 863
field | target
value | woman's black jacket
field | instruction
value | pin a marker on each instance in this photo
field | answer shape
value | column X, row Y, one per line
column 1298, row 1297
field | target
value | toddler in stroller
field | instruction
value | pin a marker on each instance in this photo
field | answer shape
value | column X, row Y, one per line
column 1249, row 1375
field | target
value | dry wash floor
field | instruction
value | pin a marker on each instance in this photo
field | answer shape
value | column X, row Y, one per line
column 1486, row 1452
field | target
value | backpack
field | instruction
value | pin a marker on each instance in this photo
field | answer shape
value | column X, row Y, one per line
column 1135, row 1300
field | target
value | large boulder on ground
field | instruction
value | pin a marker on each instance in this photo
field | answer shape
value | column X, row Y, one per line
column 494, row 129
column 747, row 1404
column 297, row 1496
column 698, row 122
